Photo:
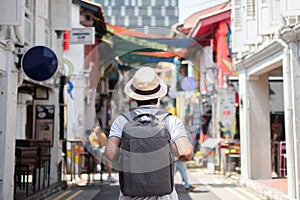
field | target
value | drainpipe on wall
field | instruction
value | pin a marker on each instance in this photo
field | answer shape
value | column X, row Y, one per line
column 288, row 87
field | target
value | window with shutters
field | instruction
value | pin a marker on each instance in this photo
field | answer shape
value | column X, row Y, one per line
column 237, row 14
column 250, row 10
column 28, row 22
column 42, row 8
column 290, row 8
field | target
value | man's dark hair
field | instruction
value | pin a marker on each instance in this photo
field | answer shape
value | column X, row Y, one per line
column 147, row 102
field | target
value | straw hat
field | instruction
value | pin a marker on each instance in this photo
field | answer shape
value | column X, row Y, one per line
column 145, row 85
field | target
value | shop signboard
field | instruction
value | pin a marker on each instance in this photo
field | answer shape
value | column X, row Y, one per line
column 82, row 35
column 226, row 107
column 44, row 124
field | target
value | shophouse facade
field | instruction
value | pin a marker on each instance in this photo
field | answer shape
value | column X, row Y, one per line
column 24, row 25
column 211, row 28
column 265, row 44
column 29, row 24
column 81, row 58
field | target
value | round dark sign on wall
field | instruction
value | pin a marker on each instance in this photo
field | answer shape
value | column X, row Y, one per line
column 39, row 63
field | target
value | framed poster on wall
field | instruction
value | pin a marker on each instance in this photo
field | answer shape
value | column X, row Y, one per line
column 44, row 124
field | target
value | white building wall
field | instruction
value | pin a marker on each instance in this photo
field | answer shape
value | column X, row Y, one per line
column 75, row 109
column 291, row 66
column 14, row 14
column 56, row 150
column 259, row 133
column 282, row 20
column 295, row 62
column 23, row 100
column 76, row 106
column 8, row 107
column 246, row 157
column 90, row 112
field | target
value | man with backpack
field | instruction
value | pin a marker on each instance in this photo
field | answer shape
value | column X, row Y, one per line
column 145, row 142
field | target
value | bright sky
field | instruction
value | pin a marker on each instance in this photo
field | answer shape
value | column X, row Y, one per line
column 189, row 7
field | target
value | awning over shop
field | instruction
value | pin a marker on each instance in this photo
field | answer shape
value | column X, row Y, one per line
column 140, row 59
column 164, row 54
column 206, row 26
column 118, row 30
column 136, row 47
column 98, row 19
column 191, row 21
column 130, row 52
column 174, row 42
column 122, row 47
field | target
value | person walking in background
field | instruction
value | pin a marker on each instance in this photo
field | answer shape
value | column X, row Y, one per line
column 98, row 142
column 146, row 88
column 197, row 140
column 181, row 166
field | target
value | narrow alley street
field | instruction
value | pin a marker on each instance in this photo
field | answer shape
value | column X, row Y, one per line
column 215, row 82
column 208, row 187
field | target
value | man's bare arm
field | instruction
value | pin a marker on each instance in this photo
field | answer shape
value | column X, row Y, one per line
column 185, row 149
column 112, row 148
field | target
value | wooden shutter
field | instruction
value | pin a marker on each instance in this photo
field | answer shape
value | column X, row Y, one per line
column 251, row 24
column 61, row 14
column 290, row 7
column 268, row 16
column 11, row 12
column 237, row 31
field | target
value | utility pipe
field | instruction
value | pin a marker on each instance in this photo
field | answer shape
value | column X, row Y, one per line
column 288, row 112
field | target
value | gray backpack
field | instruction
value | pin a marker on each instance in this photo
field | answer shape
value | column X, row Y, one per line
column 146, row 160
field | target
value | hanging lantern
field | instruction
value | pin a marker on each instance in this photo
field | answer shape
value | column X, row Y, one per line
column 66, row 40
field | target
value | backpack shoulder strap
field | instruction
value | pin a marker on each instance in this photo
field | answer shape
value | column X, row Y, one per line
column 129, row 115
column 162, row 115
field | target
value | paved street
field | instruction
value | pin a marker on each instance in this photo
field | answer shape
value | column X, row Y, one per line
column 208, row 187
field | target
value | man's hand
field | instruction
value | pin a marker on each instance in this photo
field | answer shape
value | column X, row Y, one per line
column 185, row 149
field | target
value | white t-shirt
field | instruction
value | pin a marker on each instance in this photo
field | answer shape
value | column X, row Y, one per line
column 176, row 129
